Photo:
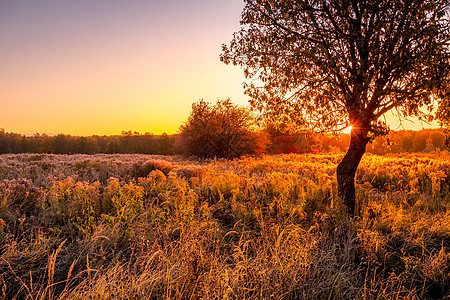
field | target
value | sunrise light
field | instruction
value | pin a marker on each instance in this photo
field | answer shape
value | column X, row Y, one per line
column 347, row 129
column 205, row 149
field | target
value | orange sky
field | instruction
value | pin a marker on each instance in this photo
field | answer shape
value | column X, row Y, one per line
column 99, row 67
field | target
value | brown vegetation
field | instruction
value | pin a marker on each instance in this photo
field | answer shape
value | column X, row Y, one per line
column 253, row 228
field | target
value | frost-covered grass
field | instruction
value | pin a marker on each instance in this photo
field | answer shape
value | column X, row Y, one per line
column 154, row 227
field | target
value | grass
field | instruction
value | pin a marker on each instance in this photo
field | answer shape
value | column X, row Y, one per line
column 147, row 227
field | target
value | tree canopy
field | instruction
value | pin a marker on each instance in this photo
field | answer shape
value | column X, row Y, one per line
column 333, row 63
column 223, row 130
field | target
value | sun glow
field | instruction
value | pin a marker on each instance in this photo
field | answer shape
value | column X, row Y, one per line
column 347, row 129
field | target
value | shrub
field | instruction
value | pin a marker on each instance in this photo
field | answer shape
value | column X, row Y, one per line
column 221, row 130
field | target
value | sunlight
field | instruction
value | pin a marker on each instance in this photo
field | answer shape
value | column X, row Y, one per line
column 347, row 129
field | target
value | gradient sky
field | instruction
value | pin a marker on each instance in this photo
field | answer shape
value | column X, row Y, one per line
column 89, row 67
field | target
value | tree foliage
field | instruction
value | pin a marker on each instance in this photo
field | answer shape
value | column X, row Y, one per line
column 284, row 138
column 221, row 130
column 443, row 115
column 331, row 63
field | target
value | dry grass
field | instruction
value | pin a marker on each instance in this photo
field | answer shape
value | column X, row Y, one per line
column 253, row 228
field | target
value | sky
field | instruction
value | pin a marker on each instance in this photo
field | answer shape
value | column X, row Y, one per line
column 98, row 67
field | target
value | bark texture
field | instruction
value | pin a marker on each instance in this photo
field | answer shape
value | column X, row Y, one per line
column 346, row 169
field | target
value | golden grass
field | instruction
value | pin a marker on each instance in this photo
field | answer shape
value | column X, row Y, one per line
column 252, row 228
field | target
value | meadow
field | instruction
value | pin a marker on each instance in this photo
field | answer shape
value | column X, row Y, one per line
column 270, row 227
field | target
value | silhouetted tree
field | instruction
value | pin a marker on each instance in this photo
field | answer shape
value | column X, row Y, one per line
column 331, row 63
column 443, row 116
column 220, row 130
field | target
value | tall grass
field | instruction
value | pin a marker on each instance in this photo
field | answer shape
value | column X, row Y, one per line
column 146, row 227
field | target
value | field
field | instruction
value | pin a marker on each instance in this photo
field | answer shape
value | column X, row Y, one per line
column 271, row 227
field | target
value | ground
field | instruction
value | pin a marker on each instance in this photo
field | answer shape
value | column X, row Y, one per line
column 159, row 227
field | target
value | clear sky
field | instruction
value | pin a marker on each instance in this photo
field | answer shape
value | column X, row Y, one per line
column 102, row 66
column 89, row 67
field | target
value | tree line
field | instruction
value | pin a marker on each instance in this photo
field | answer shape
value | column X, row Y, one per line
column 222, row 130
column 127, row 142
column 401, row 141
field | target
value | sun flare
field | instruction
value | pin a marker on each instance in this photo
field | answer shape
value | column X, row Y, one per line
column 347, row 129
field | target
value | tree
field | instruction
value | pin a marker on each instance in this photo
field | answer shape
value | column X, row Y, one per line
column 443, row 115
column 331, row 63
column 46, row 144
column 60, row 144
column 221, row 130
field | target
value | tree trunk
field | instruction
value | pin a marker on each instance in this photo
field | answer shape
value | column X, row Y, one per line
column 346, row 169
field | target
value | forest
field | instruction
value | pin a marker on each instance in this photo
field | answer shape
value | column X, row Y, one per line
column 126, row 142
column 275, row 142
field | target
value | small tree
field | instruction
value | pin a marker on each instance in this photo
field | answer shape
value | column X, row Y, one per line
column 221, row 130
column 332, row 63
